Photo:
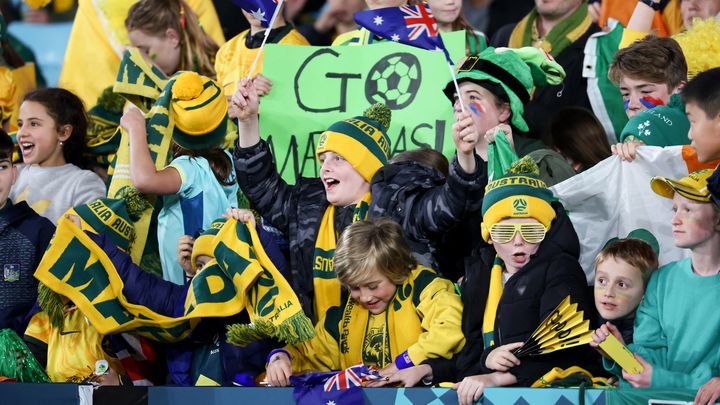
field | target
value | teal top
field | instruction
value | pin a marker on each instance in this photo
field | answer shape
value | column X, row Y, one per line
column 677, row 328
column 200, row 200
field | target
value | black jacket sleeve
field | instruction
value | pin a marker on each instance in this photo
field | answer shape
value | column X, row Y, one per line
column 441, row 208
column 260, row 181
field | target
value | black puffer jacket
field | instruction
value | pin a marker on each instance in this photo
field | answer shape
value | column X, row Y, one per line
column 414, row 195
column 528, row 297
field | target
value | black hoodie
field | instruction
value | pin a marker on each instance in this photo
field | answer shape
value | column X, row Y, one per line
column 528, row 297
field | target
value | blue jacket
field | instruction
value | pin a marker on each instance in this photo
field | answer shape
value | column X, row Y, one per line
column 24, row 236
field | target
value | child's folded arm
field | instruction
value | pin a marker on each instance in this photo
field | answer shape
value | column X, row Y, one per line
column 649, row 339
column 440, row 309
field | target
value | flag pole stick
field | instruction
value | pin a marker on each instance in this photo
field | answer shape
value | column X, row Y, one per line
column 267, row 34
column 262, row 46
column 457, row 88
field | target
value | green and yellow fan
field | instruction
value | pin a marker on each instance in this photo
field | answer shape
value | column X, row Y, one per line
column 565, row 327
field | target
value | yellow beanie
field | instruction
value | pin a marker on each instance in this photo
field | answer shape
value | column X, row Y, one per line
column 362, row 141
column 518, row 194
column 199, row 110
column 204, row 244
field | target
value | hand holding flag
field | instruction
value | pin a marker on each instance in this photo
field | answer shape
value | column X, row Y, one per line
column 260, row 9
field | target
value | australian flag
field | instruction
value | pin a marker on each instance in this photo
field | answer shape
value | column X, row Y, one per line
column 333, row 388
column 410, row 25
column 262, row 10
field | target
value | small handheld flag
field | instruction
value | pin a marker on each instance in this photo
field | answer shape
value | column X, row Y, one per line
column 565, row 327
column 262, row 10
column 343, row 387
column 410, row 25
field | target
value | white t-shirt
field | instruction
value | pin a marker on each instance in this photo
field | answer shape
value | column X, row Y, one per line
column 51, row 191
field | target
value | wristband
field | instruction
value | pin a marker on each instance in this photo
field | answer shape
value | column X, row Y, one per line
column 403, row 361
column 652, row 4
column 272, row 353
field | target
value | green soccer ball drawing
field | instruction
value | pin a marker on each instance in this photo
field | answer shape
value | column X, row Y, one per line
column 394, row 80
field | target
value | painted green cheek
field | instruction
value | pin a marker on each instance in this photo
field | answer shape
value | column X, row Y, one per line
column 623, row 296
column 153, row 55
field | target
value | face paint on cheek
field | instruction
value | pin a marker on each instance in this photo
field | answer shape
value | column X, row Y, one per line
column 600, row 287
column 622, row 296
column 626, row 104
column 476, row 108
column 694, row 218
column 651, row 102
column 153, row 55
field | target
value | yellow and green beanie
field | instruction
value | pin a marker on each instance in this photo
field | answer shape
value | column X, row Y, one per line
column 518, row 194
column 204, row 244
column 362, row 140
column 199, row 111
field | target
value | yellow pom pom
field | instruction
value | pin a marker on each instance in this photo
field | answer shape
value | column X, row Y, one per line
column 701, row 46
column 188, row 86
column 36, row 4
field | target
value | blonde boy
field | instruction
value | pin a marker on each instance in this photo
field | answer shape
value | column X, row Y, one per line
column 407, row 312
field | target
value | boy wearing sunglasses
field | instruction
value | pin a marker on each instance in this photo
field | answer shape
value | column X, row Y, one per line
column 530, row 266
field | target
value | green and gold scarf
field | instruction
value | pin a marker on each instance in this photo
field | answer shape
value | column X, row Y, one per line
column 141, row 83
column 491, row 305
column 560, row 37
column 241, row 278
column 401, row 320
column 325, row 283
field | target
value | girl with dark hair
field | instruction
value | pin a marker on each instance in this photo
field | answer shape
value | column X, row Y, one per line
column 51, row 133
column 577, row 134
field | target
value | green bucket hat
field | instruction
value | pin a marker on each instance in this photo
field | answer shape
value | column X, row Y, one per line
column 517, row 71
